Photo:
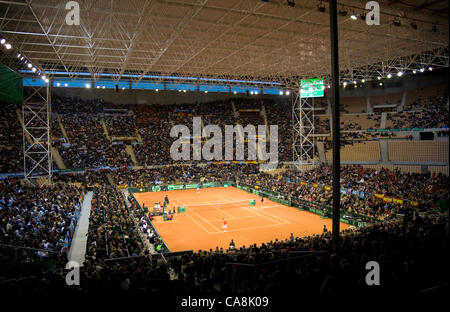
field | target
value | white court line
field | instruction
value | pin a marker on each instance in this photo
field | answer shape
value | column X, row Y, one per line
column 274, row 216
column 234, row 218
column 266, row 207
column 186, row 214
column 254, row 227
column 199, row 216
column 218, row 207
column 255, row 212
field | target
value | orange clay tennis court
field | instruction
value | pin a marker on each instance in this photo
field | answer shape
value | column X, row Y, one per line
column 200, row 226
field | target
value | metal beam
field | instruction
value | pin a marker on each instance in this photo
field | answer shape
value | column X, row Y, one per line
column 334, row 38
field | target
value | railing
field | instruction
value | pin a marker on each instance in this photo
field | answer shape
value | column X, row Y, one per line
column 174, row 186
column 443, row 200
column 314, row 207
column 26, row 253
column 244, row 277
column 133, row 199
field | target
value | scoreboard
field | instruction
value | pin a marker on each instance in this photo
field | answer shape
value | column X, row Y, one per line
column 311, row 88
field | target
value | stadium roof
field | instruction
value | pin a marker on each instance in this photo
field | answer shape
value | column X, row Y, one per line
column 233, row 39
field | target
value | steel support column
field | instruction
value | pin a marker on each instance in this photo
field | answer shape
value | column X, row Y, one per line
column 36, row 115
column 335, row 117
column 303, row 125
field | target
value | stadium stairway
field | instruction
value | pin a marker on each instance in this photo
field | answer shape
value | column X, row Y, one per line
column 63, row 129
column 129, row 150
column 369, row 107
column 384, row 152
column 321, row 150
column 383, row 120
column 77, row 250
column 19, row 117
column 402, row 103
column 235, row 112
column 58, row 159
column 105, row 129
column 111, row 180
column 138, row 137
column 263, row 114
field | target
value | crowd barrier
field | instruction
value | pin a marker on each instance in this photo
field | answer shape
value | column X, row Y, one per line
column 171, row 187
column 133, row 199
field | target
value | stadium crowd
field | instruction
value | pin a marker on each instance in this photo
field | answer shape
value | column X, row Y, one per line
column 39, row 217
column 112, row 232
column 409, row 249
column 87, row 145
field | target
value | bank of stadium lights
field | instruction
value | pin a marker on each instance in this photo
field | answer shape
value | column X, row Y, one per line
column 22, row 58
column 430, row 68
column 389, row 76
column 157, row 90
column 58, row 84
column 206, row 91
column 88, row 86
column 354, row 17
column 287, row 92
column 400, row 73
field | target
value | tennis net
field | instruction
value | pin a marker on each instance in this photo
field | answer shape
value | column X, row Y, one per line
column 203, row 206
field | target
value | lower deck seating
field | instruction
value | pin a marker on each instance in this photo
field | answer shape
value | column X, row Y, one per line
column 418, row 151
column 367, row 151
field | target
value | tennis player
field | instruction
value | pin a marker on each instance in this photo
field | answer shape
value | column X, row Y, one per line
column 224, row 226
column 198, row 188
